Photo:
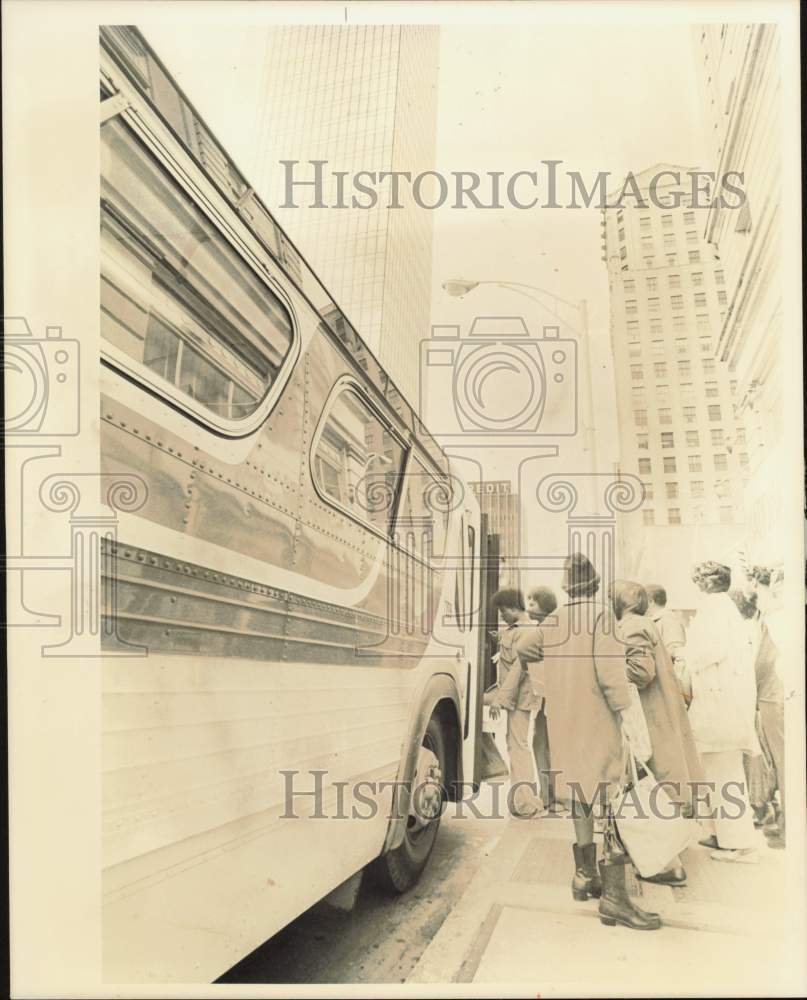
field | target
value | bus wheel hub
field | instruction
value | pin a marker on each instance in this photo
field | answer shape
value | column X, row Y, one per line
column 427, row 791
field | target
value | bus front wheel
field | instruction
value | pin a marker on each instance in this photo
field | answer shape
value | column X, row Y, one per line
column 400, row 869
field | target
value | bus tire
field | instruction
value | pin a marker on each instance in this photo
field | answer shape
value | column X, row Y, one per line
column 398, row 870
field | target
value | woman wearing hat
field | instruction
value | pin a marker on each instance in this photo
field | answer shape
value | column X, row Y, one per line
column 586, row 692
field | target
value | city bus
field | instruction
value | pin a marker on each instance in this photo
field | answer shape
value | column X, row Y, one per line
column 292, row 635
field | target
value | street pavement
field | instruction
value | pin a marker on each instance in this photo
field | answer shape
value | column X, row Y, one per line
column 723, row 933
column 494, row 906
column 727, row 932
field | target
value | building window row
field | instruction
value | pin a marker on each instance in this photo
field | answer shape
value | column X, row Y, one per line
column 681, row 344
column 712, row 389
column 676, row 301
column 726, row 514
column 694, row 463
column 664, row 413
column 646, row 221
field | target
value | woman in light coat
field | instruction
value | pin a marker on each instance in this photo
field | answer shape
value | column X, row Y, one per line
column 771, row 686
column 720, row 657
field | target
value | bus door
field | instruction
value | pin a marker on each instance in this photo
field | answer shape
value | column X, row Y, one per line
column 487, row 576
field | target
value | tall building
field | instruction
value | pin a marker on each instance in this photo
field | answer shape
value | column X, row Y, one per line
column 675, row 399
column 739, row 74
column 497, row 499
column 362, row 98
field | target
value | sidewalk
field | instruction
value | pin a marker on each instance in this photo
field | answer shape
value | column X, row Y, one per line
column 724, row 932
column 517, row 923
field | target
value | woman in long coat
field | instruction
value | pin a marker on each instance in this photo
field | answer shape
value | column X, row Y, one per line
column 720, row 658
column 648, row 664
column 586, row 691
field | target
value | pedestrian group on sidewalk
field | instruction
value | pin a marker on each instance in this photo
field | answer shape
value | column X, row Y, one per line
column 619, row 692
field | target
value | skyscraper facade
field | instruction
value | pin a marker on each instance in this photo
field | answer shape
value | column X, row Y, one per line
column 739, row 74
column 362, row 98
column 678, row 430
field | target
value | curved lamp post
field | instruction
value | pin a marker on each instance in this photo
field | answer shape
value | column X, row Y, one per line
column 457, row 288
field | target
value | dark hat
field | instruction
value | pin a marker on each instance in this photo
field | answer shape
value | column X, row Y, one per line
column 579, row 576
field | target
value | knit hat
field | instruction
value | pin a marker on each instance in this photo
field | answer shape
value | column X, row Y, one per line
column 579, row 576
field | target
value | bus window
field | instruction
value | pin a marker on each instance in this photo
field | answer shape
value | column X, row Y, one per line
column 357, row 460
column 176, row 298
column 425, row 504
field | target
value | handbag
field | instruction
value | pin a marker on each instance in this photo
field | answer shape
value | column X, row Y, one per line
column 648, row 823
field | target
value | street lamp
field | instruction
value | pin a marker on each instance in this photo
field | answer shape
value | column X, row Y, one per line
column 459, row 287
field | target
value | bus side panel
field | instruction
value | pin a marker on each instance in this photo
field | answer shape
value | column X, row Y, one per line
column 200, row 865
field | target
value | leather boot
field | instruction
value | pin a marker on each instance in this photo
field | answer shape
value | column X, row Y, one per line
column 616, row 906
column 586, row 881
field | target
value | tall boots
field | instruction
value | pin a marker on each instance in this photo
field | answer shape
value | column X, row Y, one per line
column 586, row 881
column 616, row 906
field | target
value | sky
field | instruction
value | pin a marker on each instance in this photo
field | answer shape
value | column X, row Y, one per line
column 599, row 99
